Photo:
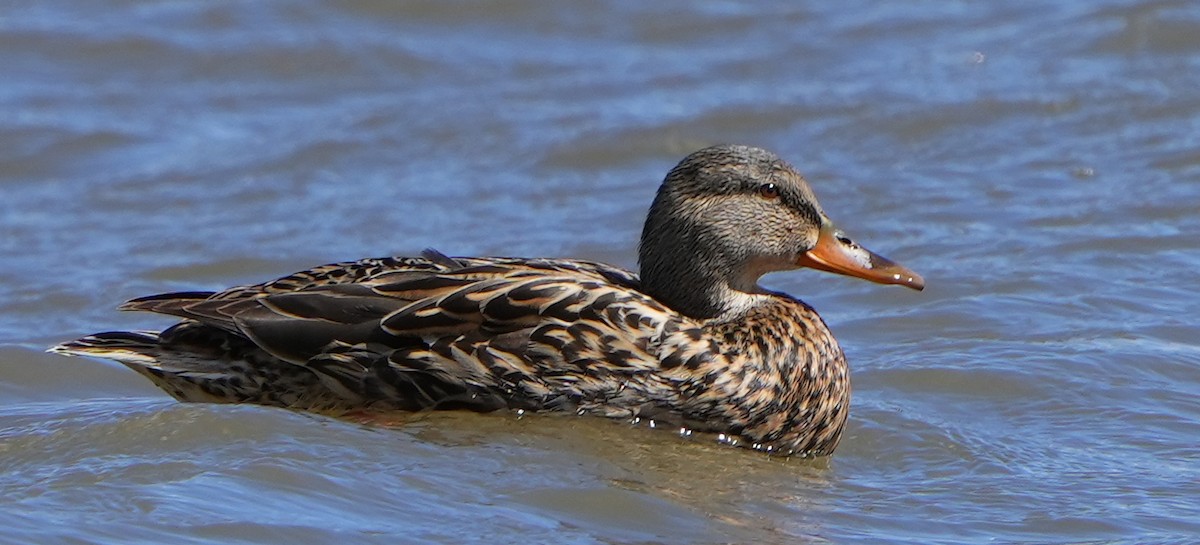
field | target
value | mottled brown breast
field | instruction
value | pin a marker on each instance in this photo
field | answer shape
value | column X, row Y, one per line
column 776, row 377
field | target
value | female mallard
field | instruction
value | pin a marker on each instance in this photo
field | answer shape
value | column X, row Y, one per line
column 694, row 342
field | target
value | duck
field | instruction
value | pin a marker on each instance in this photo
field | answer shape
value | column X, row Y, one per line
column 692, row 341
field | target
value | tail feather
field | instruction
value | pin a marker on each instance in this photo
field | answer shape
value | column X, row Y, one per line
column 123, row 346
column 198, row 363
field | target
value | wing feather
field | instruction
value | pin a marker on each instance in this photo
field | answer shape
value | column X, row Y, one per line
column 434, row 331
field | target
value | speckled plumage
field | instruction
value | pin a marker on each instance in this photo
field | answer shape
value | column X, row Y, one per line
column 694, row 342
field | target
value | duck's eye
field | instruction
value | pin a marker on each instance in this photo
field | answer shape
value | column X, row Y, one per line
column 768, row 191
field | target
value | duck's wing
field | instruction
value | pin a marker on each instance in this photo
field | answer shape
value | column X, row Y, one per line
column 530, row 333
column 216, row 308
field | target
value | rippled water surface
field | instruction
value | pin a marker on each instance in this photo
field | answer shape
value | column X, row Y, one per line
column 1038, row 162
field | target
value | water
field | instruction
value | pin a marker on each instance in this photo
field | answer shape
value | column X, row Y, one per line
column 1037, row 163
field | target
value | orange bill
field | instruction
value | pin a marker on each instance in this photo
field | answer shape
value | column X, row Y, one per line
column 836, row 253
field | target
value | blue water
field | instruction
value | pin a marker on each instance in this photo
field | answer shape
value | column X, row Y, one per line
column 1037, row 163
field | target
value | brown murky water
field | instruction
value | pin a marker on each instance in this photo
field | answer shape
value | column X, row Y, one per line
column 1039, row 164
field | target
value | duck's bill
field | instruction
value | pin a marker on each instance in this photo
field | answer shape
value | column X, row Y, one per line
column 835, row 252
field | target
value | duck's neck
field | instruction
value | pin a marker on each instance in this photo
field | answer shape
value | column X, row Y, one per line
column 697, row 289
column 692, row 265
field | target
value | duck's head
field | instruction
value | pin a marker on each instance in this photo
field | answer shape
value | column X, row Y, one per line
column 725, row 216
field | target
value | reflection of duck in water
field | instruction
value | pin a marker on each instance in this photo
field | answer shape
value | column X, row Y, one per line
column 694, row 342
